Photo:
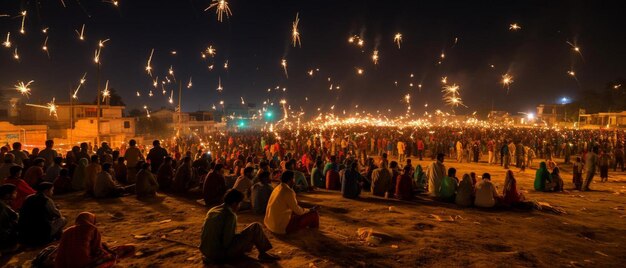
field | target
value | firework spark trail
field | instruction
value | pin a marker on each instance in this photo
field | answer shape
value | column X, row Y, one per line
column 96, row 57
column 24, row 89
column 576, row 49
column 149, row 64
column 190, row 84
column 81, row 34
column 514, row 27
column 82, row 81
column 375, row 57
column 50, row 106
column 398, row 39
column 171, row 98
column 221, row 9
column 106, row 93
column 211, row 51
column 295, row 35
column 16, row 55
column 44, row 47
column 22, row 31
column 451, row 96
column 219, row 84
column 283, row 63
column 7, row 42
column 507, row 80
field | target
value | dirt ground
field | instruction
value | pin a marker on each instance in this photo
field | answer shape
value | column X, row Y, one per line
column 592, row 233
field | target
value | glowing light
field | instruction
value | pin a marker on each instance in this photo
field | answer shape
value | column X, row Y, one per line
column 7, row 42
column 138, row 94
column 361, row 42
column 295, row 35
column 81, row 34
column 507, row 80
column 112, row 2
column 106, row 93
column 219, row 84
column 81, row 82
column 225, row 65
column 22, row 31
column 44, row 47
column 16, row 55
column 514, row 27
column 221, row 9
column 24, row 89
column 359, row 71
column 576, row 49
column 96, row 57
column 171, row 98
column 189, row 84
column 242, row 101
column 617, row 86
column 149, row 65
column 50, row 106
column 398, row 39
column 530, row 116
column 283, row 63
column 211, row 51
column 310, row 72
column 375, row 57
column 444, row 80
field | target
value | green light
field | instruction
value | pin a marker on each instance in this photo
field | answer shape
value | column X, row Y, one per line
column 268, row 114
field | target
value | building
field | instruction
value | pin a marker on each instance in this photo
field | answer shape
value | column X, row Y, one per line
column 30, row 136
column 603, row 120
column 551, row 114
column 200, row 122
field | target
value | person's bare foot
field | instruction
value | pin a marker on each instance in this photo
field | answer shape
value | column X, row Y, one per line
column 267, row 257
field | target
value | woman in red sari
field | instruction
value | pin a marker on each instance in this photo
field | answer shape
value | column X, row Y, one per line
column 81, row 246
column 511, row 195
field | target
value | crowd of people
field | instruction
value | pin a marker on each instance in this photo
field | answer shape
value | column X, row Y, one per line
column 264, row 173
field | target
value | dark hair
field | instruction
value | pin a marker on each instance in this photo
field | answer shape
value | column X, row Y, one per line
column 287, row 176
column 14, row 170
column 486, row 176
column 49, row 143
column 248, row 170
column 17, row 146
column 393, row 164
column 451, row 172
column 6, row 189
column 121, row 159
column 58, row 160
column 106, row 166
column 233, row 196
column 440, row 156
column 44, row 186
column 145, row 166
column 264, row 176
column 156, row 143
column 218, row 167
column 38, row 161
column 64, row 172
column 94, row 158
column 132, row 142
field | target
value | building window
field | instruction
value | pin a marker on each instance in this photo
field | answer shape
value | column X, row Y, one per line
column 126, row 124
column 91, row 112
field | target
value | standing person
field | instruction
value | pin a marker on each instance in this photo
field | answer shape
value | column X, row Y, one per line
column 619, row 158
column 156, row 156
column 214, row 186
column 48, row 154
column 519, row 155
column 381, row 179
column 20, row 155
column 459, row 151
column 420, row 148
column 605, row 158
column 505, row 155
column 261, row 192
column 40, row 221
column 133, row 156
column 401, row 149
column 490, row 149
column 8, row 218
column 219, row 240
column 435, row 173
column 577, row 173
column 591, row 165
column 284, row 215
column 6, row 166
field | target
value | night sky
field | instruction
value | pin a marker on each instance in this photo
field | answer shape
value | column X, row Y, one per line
column 258, row 36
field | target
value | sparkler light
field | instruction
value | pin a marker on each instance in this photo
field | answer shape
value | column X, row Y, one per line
column 451, row 96
column 359, row 71
column 106, row 93
column 398, row 39
column 50, row 106
column 221, row 9
column 514, row 27
column 283, row 63
column 112, row 2
column 45, row 30
column 150, row 94
column 138, row 94
column 375, row 57
column 96, row 57
column 507, row 80
column 225, row 65
column 171, row 98
column 44, row 47
column 576, row 49
column 190, row 84
column 7, row 42
column 361, row 42
column 22, row 31
column 444, row 80
column 81, row 34
column 24, row 89
column 82, row 81
column 219, row 84
column 149, row 66
column 310, row 72
column 295, row 35
column 16, row 55
column 211, row 51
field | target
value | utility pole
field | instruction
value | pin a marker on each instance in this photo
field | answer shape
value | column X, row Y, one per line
column 180, row 112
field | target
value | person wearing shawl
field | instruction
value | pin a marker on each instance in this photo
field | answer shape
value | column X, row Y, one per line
column 8, row 217
column 465, row 192
column 435, row 173
column 80, row 174
column 381, row 179
column 81, row 246
column 404, row 184
column 214, row 187
column 23, row 189
column 34, row 174
column 40, row 221
column 165, row 175
column 317, row 177
column 447, row 191
column 486, row 194
column 577, row 172
column 557, row 181
column 543, row 179
column 146, row 183
column 419, row 182
column 332, row 180
column 510, row 194
column 350, row 182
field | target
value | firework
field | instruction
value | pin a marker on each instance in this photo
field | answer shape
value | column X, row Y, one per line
column 242, row 101
column 112, row 2
column 507, row 80
column 45, row 30
column 514, row 27
column 50, row 106
column 171, row 98
column 310, row 72
column 576, row 49
column 7, row 42
column 359, row 71
column 149, row 64
column 150, row 94
column 295, row 35
column 444, row 80
column 221, row 9
column 283, row 63
column 443, row 55
column 106, row 93
column 145, row 107
column 96, row 57
column 16, row 55
column 22, row 31
column 375, row 57
column 451, row 96
column 225, row 65
column 155, row 82
column 361, row 42
column 44, row 47
column 138, row 94
column 219, row 84
column 81, row 82
column 210, row 51
column 81, row 34
column 398, row 39
column 189, row 84
column 24, row 89
column 617, row 86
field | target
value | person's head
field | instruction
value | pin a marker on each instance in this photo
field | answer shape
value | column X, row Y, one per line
column 440, row 157
column 132, row 143
column 407, row 170
column 8, row 192
column 121, row 160
column 156, row 143
column 408, row 162
column 83, row 162
column 264, row 166
column 58, row 160
column 333, row 159
column 219, row 168
column 264, row 177
column 393, row 165
column 555, row 171
column 17, row 146
column 287, row 177
column 473, row 175
column 384, row 163
column 247, row 172
column 146, row 166
column 47, row 188
column 486, row 176
column 106, row 167
column 15, row 171
column 85, row 218
column 452, row 172
column 543, row 165
column 84, row 146
column 75, row 149
column 64, row 172
column 186, row 159
column 49, row 143
column 35, row 151
column 39, row 162
column 9, row 158
column 104, row 144
column 232, row 199
column 95, row 159
column 578, row 159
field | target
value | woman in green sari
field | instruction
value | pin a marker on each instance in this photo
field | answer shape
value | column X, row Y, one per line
column 543, row 179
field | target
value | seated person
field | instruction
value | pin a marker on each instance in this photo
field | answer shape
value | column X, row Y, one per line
column 381, row 179
column 165, row 175
column 284, row 215
column 105, row 186
column 543, row 179
column 465, row 192
column 332, row 180
column 301, row 184
column 214, row 186
column 419, row 178
column 146, row 183
column 8, row 217
column 34, row 174
column 317, row 178
column 510, row 194
column 183, row 176
column 91, row 173
column 121, row 171
column 40, row 221
column 261, row 192
column 351, row 181
column 486, row 194
column 81, row 246
column 243, row 185
column 23, row 189
column 63, row 183
column 53, row 171
column 557, row 181
column 404, row 184
column 219, row 240
column 447, row 192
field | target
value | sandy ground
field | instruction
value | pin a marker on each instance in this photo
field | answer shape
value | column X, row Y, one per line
column 591, row 234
